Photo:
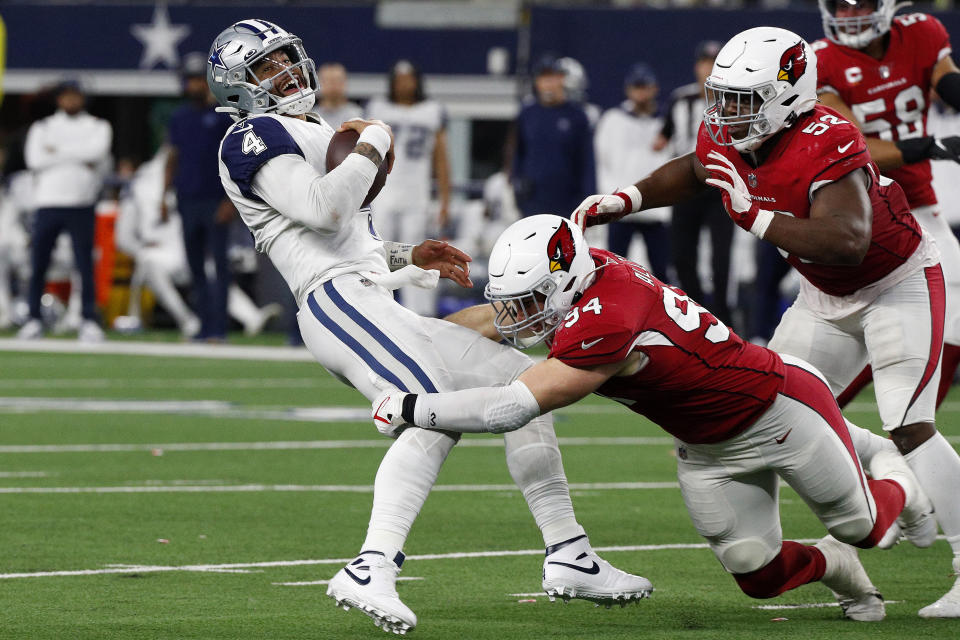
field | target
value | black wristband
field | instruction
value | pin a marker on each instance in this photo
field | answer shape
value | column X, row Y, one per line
column 949, row 89
column 409, row 407
column 915, row 149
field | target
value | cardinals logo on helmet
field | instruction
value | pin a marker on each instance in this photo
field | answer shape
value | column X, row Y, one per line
column 561, row 249
column 793, row 63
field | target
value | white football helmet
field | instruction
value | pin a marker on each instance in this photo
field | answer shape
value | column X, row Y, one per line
column 230, row 75
column 762, row 80
column 860, row 30
column 575, row 81
column 538, row 268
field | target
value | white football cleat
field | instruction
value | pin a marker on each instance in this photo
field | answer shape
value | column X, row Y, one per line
column 949, row 605
column 571, row 569
column 916, row 522
column 368, row 583
column 90, row 331
column 32, row 330
column 848, row 581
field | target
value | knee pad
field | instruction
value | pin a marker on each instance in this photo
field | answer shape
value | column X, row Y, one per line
column 745, row 556
column 851, row 531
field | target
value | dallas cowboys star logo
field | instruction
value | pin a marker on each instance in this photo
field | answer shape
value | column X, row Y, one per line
column 215, row 58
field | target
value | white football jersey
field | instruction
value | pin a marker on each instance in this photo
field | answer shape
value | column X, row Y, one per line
column 311, row 240
column 415, row 130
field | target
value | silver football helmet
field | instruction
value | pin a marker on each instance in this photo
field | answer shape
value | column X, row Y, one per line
column 538, row 268
column 857, row 31
column 238, row 90
column 762, row 80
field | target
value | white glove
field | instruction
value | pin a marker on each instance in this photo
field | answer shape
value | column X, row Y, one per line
column 601, row 209
column 386, row 412
column 736, row 198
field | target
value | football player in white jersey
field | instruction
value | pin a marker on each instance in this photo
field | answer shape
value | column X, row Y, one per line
column 402, row 210
column 272, row 164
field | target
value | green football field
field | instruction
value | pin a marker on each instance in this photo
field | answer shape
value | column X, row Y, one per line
column 200, row 497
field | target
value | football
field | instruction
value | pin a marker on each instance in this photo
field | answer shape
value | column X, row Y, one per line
column 341, row 145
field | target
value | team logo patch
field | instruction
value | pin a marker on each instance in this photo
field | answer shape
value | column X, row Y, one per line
column 793, row 63
column 561, row 249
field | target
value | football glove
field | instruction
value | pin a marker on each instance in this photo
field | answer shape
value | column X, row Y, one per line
column 601, row 209
column 736, row 198
column 387, row 408
column 930, row 147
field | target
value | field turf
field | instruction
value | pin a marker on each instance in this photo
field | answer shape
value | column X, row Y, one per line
column 168, row 497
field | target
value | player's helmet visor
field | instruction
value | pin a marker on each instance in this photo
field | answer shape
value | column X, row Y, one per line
column 854, row 23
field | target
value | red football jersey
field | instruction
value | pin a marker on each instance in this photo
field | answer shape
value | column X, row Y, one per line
column 820, row 148
column 889, row 96
column 701, row 382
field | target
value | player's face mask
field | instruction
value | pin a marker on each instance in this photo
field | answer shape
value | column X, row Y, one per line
column 734, row 116
column 526, row 319
column 856, row 23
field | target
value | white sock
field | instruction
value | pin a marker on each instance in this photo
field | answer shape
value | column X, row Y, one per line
column 533, row 458
column 937, row 467
column 867, row 444
column 240, row 307
column 160, row 281
column 405, row 477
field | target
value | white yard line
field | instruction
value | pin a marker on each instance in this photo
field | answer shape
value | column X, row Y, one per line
column 311, row 583
column 24, row 474
column 293, row 445
column 809, row 605
column 159, row 349
column 320, row 381
column 229, row 567
column 221, row 409
column 319, row 488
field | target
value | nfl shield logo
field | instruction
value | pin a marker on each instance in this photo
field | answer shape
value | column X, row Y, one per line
column 682, row 452
column 752, row 180
column 884, row 72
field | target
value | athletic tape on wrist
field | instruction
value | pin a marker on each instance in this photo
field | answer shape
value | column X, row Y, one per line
column 399, row 254
column 761, row 223
column 377, row 137
column 631, row 198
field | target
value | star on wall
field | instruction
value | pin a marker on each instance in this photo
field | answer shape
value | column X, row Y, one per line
column 160, row 39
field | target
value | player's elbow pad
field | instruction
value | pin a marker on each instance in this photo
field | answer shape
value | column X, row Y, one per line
column 486, row 409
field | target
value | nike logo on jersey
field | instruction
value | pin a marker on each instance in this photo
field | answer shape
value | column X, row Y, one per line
column 360, row 581
column 246, row 127
column 784, row 438
column 592, row 570
column 587, row 345
column 844, row 148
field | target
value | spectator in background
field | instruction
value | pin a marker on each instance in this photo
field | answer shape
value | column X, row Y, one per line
column 332, row 104
column 623, row 145
column 194, row 138
column 553, row 154
column 402, row 210
column 679, row 137
column 69, row 155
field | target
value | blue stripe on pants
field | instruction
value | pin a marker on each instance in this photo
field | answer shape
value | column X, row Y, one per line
column 353, row 344
column 380, row 337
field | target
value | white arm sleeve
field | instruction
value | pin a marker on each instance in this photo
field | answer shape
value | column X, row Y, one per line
column 480, row 410
column 289, row 184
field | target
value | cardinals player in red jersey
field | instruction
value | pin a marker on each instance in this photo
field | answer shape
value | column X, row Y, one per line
column 799, row 175
column 741, row 414
column 877, row 71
